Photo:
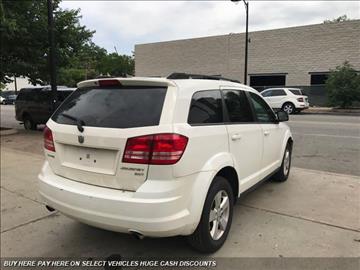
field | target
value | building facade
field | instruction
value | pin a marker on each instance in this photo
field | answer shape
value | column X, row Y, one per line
column 296, row 56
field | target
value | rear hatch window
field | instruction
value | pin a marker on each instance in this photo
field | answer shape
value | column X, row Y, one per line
column 107, row 114
column 120, row 107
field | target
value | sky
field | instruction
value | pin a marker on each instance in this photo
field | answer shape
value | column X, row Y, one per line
column 122, row 24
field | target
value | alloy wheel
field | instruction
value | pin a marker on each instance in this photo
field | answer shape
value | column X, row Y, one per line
column 287, row 162
column 288, row 108
column 219, row 215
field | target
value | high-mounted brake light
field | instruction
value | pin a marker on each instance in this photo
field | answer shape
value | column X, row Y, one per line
column 300, row 99
column 105, row 83
column 48, row 139
column 157, row 149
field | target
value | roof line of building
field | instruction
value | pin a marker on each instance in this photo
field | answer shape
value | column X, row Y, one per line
column 251, row 32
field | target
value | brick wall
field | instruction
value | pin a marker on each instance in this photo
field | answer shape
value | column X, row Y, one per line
column 296, row 51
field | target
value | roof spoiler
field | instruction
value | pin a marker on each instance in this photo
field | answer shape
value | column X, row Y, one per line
column 134, row 81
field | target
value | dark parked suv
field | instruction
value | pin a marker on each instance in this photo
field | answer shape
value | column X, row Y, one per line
column 33, row 106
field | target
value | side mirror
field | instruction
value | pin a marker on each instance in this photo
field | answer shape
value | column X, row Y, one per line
column 282, row 116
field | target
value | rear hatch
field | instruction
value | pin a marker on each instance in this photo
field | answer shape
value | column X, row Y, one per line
column 299, row 94
column 90, row 130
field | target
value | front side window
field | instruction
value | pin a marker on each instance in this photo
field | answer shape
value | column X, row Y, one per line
column 266, row 93
column 206, row 108
column 123, row 107
column 278, row 92
column 263, row 112
column 237, row 105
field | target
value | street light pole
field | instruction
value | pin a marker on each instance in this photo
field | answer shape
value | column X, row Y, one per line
column 51, row 55
column 246, row 38
column 246, row 41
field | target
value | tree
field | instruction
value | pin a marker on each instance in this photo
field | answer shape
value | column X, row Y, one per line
column 24, row 46
column 117, row 65
column 82, row 66
column 343, row 86
column 24, row 40
column 342, row 18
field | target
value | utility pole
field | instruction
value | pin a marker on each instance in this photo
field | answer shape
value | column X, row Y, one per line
column 15, row 84
column 246, row 38
column 52, row 67
column 246, row 41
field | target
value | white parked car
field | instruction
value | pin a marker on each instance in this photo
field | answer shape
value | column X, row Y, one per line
column 161, row 157
column 1, row 100
column 290, row 100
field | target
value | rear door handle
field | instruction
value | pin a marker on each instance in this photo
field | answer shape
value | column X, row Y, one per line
column 236, row 137
column 267, row 133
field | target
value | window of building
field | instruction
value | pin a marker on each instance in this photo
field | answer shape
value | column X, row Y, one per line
column 238, row 106
column 206, row 107
column 267, row 80
column 318, row 79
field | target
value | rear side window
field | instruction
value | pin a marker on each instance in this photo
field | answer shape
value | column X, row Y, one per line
column 296, row 92
column 238, row 107
column 206, row 108
column 113, row 107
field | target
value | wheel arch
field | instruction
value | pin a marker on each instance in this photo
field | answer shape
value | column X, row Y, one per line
column 287, row 139
column 230, row 174
column 288, row 102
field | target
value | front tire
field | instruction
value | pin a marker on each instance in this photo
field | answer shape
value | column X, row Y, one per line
column 216, row 218
column 283, row 173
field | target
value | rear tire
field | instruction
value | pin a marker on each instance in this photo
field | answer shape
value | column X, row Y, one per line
column 283, row 173
column 289, row 108
column 216, row 218
column 29, row 123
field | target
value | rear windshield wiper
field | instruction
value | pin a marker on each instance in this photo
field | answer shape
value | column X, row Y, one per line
column 80, row 123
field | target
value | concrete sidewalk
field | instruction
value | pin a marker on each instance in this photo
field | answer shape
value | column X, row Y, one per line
column 313, row 214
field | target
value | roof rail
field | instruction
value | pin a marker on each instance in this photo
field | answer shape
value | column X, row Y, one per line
column 178, row 75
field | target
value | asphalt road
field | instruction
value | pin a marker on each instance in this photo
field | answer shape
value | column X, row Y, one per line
column 322, row 142
column 326, row 143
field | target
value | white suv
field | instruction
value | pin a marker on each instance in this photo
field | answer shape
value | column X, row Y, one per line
column 290, row 100
column 161, row 157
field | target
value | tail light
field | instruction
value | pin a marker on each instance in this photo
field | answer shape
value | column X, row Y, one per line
column 300, row 99
column 157, row 149
column 48, row 139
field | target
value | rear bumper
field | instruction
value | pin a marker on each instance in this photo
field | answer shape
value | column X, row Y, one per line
column 302, row 106
column 158, row 208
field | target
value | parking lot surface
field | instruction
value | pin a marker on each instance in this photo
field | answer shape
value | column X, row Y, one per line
column 314, row 214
